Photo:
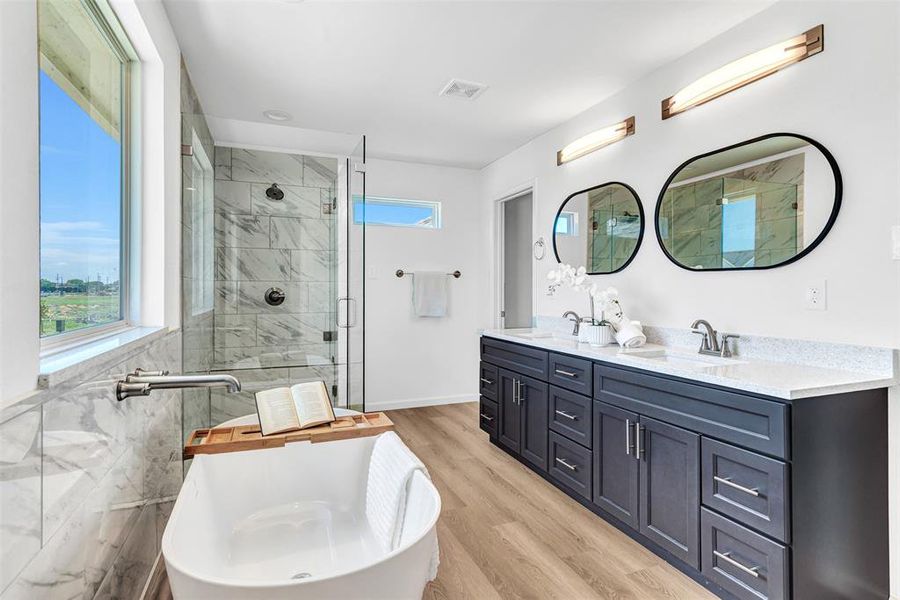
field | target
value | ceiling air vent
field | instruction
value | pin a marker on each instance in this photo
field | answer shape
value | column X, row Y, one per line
column 459, row 88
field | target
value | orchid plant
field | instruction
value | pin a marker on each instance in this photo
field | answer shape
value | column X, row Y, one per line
column 606, row 300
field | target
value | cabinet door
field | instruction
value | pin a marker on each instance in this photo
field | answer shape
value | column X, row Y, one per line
column 616, row 468
column 533, row 403
column 509, row 430
column 670, row 488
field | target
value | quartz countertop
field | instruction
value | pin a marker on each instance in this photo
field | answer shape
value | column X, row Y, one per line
column 777, row 379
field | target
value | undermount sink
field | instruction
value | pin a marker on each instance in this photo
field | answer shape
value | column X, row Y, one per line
column 529, row 334
column 682, row 359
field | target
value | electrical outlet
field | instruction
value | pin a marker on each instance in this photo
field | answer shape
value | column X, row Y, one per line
column 895, row 242
column 816, row 297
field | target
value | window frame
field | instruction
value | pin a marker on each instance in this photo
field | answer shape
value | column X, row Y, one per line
column 571, row 218
column 434, row 205
column 109, row 26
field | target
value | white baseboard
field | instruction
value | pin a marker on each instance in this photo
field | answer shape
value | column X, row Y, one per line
column 419, row 402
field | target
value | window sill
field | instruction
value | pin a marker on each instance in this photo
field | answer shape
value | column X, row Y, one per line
column 89, row 355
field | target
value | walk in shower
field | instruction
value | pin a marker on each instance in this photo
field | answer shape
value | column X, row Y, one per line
column 272, row 274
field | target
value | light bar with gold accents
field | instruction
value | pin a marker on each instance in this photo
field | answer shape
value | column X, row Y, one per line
column 595, row 140
column 745, row 70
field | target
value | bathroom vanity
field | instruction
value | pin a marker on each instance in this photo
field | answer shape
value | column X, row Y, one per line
column 759, row 480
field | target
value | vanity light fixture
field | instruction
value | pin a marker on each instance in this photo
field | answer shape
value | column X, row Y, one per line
column 745, row 70
column 595, row 140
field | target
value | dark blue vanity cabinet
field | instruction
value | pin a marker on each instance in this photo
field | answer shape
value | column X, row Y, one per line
column 752, row 496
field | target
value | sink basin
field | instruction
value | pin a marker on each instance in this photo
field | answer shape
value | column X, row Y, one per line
column 529, row 334
column 682, row 359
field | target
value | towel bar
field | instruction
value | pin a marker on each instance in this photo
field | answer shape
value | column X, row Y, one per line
column 400, row 273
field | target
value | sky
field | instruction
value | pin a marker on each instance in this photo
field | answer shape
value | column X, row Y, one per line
column 80, row 191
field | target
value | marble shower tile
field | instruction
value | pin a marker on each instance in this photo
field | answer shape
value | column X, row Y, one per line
column 20, row 493
column 257, row 166
column 320, row 171
column 290, row 329
column 241, row 231
column 225, row 297
column 286, row 232
column 315, row 234
column 125, row 579
column 252, row 264
column 195, row 410
column 298, row 201
column 321, row 298
column 312, row 265
column 232, row 197
column 235, row 331
column 223, row 163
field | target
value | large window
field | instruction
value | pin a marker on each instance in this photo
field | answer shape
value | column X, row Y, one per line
column 397, row 213
column 84, row 141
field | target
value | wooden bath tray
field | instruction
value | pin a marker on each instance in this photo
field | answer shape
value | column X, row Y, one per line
column 249, row 437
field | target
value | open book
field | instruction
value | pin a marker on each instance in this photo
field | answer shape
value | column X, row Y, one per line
column 297, row 407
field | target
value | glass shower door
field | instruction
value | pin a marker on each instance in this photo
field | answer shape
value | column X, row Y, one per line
column 350, row 313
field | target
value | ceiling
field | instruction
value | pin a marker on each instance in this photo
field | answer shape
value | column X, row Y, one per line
column 376, row 67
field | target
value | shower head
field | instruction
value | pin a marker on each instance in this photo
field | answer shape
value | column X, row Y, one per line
column 274, row 193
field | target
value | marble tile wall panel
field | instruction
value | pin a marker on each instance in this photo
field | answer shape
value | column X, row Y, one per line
column 266, row 167
column 242, row 231
column 102, row 462
column 303, row 202
column 319, row 171
column 223, row 163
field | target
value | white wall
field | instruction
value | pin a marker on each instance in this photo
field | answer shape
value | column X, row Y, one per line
column 414, row 361
column 19, row 214
column 845, row 97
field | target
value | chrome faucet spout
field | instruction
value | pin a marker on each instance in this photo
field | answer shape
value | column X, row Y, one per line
column 710, row 342
column 573, row 316
column 141, row 383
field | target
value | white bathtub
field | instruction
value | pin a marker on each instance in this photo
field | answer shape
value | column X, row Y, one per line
column 246, row 524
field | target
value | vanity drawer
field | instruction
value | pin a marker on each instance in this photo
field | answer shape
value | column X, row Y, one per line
column 570, row 415
column 487, row 384
column 487, row 416
column 571, row 373
column 751, row 489
column 515, row 357
column 570, row 464
column 741, row 561
column 737, row 418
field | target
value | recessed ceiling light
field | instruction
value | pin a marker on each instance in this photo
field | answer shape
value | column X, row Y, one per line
column 277, row 115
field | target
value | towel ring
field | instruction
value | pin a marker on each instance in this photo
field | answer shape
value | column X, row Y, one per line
column 540, row 249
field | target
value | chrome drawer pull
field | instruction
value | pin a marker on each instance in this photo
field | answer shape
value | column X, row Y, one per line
column 563, row 413
column 487, row 417
column 567, row 465
column 726, row 556
column 727, row 481
column 627, row 436
column 486, row 381
column 566, row 373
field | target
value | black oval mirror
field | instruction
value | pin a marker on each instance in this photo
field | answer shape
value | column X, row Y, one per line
column 759, row 204
column 599, row 228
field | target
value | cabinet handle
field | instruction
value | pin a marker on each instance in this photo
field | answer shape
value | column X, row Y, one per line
column 567, row 465
column 638, row 444
column 566, row 373
column 487, row 417
column 522, row 389
column 563, row 413
column 727, row 481
column 628, row 437
column 726, row 556
column 515, row 391
column 486, row 381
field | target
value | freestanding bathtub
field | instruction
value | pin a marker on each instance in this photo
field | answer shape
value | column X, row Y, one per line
column 290, row 523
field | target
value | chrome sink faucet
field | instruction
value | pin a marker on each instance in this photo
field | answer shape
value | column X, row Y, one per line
column 710, row 342
column 568, row 315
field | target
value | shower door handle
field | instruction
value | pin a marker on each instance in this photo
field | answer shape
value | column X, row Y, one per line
column 350, row 321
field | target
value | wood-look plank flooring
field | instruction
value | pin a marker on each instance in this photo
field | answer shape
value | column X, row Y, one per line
column 505, row 533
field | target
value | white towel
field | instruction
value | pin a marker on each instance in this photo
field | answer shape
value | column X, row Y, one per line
column 630, row 334
column 430, row 294
column 391, row 468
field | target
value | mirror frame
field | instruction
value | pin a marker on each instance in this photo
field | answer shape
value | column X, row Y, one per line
column 640, row 238
column 835, row 209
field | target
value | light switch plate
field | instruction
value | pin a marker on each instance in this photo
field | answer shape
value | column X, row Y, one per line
column 816, row 296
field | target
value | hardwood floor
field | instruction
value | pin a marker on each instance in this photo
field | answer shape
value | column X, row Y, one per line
column 506, row 533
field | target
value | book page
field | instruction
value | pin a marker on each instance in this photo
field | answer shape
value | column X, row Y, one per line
column 276, row 411
column 312, row 403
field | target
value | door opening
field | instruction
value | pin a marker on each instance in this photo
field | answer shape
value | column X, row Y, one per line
column 516, row 302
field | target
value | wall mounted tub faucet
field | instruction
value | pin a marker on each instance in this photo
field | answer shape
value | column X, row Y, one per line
column 141, row 383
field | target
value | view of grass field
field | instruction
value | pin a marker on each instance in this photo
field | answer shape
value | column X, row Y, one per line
column 76, row 311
